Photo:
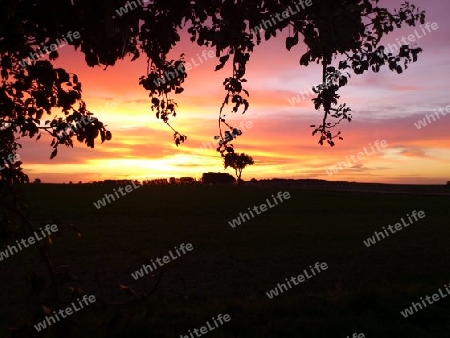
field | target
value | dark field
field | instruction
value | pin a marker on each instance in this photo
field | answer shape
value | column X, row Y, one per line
column 230, row 270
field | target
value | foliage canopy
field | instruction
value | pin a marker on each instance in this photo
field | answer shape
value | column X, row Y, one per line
column 341, row 35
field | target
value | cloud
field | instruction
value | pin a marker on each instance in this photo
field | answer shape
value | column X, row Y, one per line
column 413, row 153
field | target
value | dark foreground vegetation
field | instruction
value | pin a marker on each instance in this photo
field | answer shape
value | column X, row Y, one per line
column 230, row 269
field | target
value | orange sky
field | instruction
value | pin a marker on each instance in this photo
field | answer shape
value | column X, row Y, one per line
column 385, row 107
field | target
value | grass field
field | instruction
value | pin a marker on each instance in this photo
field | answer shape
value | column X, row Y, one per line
column 230, row 269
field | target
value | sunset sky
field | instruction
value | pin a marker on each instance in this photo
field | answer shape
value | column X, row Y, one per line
column 385, row 106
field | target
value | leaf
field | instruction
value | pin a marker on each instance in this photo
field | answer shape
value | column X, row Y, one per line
column 224, row 58
column 304, row 60
column 102, row 135
column 219, row 67
column 291, row 41
column 53, row 55
column 63, row 76
column 246, row 105
column 54, row 153
column 228, row 136
column 237, row 132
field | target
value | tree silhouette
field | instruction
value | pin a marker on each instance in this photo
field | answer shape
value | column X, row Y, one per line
column 344, row 31
column 238, row 162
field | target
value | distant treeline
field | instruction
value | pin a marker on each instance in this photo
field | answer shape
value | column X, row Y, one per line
column 207, row 178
